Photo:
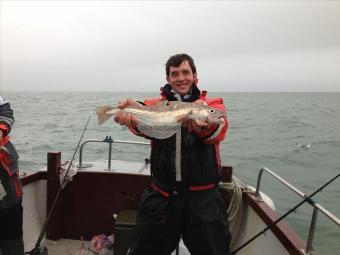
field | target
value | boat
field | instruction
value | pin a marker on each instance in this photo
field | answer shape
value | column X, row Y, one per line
column 101, row 197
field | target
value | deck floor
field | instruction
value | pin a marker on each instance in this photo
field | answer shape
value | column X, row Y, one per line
column 66, row 247
column 78, row 247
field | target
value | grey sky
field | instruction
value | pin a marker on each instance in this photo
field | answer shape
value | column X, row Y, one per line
column 122, row 46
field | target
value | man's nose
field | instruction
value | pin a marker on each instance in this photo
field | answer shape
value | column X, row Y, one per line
column 180, row 77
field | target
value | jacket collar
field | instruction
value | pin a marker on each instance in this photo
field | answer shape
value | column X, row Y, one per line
column 169, row 94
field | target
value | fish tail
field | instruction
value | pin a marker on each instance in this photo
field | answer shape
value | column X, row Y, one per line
column 104, row 113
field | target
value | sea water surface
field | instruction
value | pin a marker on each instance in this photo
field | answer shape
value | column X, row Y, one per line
column 266, row 130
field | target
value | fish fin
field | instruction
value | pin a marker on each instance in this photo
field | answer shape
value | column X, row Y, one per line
column 141, row 106
column 176, row 102
column 182, row 117
column 102, row 114
column 162, row 103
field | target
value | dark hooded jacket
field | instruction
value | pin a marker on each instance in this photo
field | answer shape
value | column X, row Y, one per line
column 9, row 172
column 200, row 162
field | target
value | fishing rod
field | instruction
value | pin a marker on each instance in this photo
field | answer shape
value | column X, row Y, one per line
column 37, row 250
column 306, row 199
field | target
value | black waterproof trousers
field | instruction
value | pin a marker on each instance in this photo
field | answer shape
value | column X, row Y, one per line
column 198, row 217
column 11, row 242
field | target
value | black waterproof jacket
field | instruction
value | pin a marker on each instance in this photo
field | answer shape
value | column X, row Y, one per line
column 10, row 189
column 200, row 161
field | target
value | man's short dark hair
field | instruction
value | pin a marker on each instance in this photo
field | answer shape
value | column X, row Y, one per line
column 176, row 61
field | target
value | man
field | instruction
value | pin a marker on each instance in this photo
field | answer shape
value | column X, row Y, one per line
column 11, row 242
column 182, row 200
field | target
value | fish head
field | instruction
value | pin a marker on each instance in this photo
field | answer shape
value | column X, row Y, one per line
column 215, row 115
column 209, row 114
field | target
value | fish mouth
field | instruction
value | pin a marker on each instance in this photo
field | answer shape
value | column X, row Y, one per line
column 220, row 119
column 220, row 116
column 216, row 119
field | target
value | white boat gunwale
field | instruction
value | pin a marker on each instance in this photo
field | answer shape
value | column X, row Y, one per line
column 283, row 232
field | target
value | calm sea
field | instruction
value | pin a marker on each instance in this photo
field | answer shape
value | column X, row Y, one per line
column 266, row 129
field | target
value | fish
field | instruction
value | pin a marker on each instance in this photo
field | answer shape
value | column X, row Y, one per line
column 162, row 120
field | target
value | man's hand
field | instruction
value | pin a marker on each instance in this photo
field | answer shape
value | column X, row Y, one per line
column 196, row 126
column 124, row 118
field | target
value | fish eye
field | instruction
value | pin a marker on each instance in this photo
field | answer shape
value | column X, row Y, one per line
column 212, row 111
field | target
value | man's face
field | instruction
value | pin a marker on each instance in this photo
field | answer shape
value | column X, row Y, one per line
column 181, row 78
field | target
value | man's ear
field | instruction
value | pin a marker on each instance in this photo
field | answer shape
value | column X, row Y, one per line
column 167, row 79
column 195, row 79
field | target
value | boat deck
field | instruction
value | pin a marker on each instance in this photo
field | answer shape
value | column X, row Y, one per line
column 85, row 212
column 66, row 247
column 79, row 247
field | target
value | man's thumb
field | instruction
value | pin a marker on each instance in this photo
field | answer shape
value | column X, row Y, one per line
column 122, row 104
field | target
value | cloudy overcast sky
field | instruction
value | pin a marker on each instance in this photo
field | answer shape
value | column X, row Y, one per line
column 123, row 46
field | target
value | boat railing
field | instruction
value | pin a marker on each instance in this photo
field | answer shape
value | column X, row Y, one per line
column 317, row 206
column 110, row 141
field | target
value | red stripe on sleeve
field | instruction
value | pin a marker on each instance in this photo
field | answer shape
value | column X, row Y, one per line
column 4, row 128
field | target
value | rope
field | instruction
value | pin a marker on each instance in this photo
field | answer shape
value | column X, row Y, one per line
column 235, row 209
column 306, row 199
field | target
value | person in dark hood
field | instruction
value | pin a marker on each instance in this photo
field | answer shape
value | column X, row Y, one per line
column 11, row 234
column 182, row 200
